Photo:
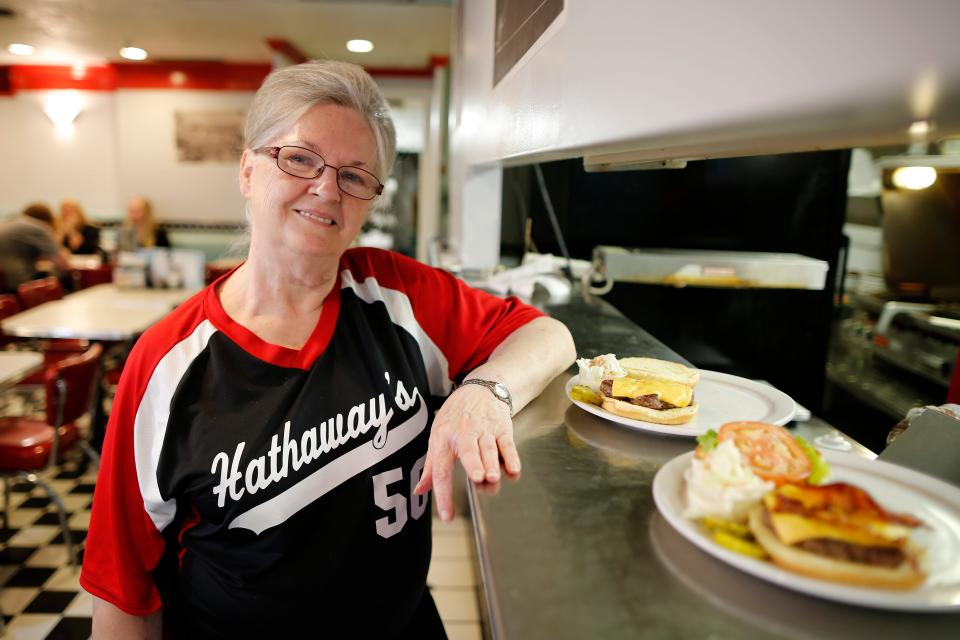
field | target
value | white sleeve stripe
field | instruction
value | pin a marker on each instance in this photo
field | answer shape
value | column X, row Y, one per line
column 150, row 424
column 401, row 313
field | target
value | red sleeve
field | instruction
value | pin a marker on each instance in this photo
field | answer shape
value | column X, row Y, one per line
column 465, row 323
column 123, row 544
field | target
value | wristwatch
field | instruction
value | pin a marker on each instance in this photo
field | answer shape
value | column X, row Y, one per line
column 499, row 390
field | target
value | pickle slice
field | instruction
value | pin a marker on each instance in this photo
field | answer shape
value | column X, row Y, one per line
column 739, row 545
column 582, row 393
column 731, row 527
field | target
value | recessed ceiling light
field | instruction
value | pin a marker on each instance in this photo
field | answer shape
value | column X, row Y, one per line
column 359, row 46
column 20, row 49
column 133, row 53
column 915, row 178
column 919, row 128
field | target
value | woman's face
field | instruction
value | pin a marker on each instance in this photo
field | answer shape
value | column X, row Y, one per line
column 69, row 215
column 309, row 218
column 136, row 210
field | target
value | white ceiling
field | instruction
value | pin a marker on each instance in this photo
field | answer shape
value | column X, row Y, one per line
column 405, row 33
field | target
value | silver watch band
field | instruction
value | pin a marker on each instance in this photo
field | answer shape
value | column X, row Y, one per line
column 498, row 389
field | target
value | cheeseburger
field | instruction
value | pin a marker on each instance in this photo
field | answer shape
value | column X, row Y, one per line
column 837, row 532
column 653, row 391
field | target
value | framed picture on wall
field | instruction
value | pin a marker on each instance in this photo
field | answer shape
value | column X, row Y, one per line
column 209, row 136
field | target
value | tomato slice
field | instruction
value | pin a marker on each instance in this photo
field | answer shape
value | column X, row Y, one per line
column 769, row 450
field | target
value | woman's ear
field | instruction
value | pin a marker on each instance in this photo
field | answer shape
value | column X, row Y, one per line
column 246, row 172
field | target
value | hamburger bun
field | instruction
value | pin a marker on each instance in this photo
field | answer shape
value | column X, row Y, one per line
column 658, row 416
column 660, row 370
column 904, row 576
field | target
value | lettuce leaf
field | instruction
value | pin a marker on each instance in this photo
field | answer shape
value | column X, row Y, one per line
column 819, row 467
column 708, row 441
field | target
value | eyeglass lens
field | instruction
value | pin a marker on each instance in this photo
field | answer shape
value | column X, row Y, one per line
column 304, row 163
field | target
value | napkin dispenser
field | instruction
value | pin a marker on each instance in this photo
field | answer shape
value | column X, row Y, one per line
column 131, row 271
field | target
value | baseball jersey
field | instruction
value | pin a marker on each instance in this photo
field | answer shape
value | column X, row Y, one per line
column 249, row 488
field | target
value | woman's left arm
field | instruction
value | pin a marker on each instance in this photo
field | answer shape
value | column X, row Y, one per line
column 477, row 428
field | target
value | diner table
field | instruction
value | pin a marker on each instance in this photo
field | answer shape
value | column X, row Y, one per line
column 576, row 547
column 16, row 365
column 102, row 312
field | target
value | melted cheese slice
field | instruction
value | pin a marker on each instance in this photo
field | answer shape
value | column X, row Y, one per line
column 679, row 395
column 792, row 528
column 835, row 524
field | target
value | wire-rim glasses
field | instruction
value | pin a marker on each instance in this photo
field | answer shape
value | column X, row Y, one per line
column 304, row 163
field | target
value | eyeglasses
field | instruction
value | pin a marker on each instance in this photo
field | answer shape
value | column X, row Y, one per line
column 303, row 163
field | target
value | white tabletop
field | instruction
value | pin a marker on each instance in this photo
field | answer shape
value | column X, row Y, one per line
column 16, row 365
column 103, row 312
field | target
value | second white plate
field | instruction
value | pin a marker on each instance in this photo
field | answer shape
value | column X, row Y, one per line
column 896, row 488
column 722, row 398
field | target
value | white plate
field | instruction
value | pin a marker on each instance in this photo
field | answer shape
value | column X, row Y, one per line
column 722, row 398
column 895, row 488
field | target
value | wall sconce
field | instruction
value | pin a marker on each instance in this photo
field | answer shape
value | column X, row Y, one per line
column 63, row 107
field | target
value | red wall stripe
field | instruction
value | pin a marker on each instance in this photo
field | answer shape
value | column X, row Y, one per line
column 287, row 48
column 212, row 76
column 36, row 77
column 194, row 75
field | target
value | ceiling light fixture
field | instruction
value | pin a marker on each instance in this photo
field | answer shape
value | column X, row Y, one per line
column 915, row 178
column 359, row 46
column 919, row 129
column 133, row 53
column 18, row 49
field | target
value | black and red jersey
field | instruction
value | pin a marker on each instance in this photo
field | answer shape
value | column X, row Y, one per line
column 250, row 488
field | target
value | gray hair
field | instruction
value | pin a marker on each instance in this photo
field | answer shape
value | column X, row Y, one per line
column 288, row 93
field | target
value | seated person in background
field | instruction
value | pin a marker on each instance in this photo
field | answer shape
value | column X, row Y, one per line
column 24, row 239
column 79, row 236
column 140, row 218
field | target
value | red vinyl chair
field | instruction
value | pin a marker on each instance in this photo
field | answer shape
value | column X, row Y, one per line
column 33, row 294
column 9, row 305
column 29, row 446
column 83, row 278
column 36, row 292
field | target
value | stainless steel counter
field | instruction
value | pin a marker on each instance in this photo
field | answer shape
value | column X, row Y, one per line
column 576, row 548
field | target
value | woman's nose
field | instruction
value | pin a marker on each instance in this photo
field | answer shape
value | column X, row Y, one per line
column 325, row 184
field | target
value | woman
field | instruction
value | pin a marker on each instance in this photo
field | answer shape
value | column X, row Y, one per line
column 141, row 223
column 78, row 235
column 24, row 240
column 270, row 447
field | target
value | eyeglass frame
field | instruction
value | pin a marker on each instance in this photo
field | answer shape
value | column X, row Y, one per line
column 274, row 152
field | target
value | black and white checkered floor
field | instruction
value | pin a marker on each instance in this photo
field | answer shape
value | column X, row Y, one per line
column 40, row 593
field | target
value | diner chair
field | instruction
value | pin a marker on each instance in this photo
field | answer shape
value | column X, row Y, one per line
column 33, row 294
column 84, row 278
column 9, row 305
column 36, row 292
column 30, row 448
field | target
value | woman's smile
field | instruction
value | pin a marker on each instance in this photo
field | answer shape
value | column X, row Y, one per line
column 317, row 216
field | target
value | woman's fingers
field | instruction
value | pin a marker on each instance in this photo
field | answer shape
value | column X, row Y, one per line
column 490, row 457
column 469, row 453
column 441, row 472
column 426, row 478
column 508, row 451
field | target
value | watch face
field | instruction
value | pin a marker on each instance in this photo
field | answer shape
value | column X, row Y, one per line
column 501, row 390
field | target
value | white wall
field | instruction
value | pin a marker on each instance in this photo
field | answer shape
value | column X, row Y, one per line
column 410, row 116
column 123, row 144
column 651, row 80
column 37, row 164
column 147, row 156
